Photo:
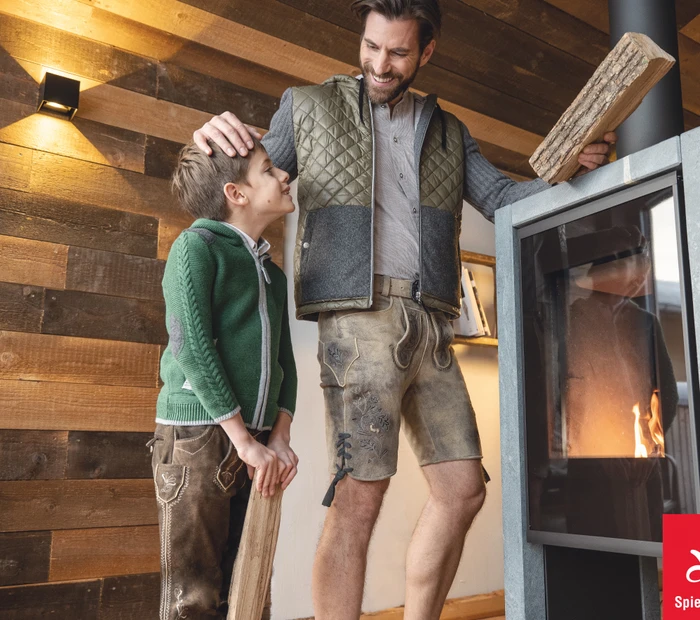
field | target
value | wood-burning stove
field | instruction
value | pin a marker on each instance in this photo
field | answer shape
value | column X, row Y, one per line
column 599, row 281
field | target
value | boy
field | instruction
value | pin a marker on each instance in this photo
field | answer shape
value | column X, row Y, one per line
column 229, row 378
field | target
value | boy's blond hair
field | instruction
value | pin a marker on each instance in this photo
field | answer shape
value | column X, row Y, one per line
column 199, row 179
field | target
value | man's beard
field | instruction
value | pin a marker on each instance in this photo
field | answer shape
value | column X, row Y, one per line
column 385, row 96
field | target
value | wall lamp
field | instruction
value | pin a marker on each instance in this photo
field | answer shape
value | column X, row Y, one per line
column 59, row 95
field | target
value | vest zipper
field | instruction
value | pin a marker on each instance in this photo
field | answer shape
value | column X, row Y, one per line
column 371, row 246
column 419, row 293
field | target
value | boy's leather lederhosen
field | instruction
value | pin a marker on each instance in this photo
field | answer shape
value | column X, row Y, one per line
column 202, row 488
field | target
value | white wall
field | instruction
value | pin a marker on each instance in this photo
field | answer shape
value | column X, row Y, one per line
column 481, row 569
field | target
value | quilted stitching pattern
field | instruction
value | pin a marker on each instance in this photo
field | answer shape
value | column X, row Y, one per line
column 334, row 151
column 442, row 172
column 334, row 159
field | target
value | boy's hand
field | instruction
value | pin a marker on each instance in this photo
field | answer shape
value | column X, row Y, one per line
column 264, row 460
column 254, row 455
column 279, row 442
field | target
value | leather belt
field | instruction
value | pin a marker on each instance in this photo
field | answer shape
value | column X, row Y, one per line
column 384, row 285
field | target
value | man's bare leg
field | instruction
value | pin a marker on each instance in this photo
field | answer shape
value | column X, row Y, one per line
column 341, row 557
column 456, row 495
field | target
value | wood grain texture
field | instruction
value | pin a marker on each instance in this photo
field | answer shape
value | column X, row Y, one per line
column 16, row 165
column 168, row 231
column 32, row 455
column 203, row 92
column 62, row 600
column 40, row 357
column 31, row 505
column 24, row 557
column 81, row 139
column 56, row 49
column 111, row 105
column 312, row 29
column 686, row 12
column 161, row 157
column 25, row 261
column 617, row 87
column 110, row 273
column 15, row 83
column 98, row 25
column 130, row 596
column 104, row 552
column 74, row 455
column 62, row 220
column 74, row 313
column 65, row 406
column 232, row 38
column 108, row 455
column 294, row 60
column 595, row 13
column 253, row 567
column 473, row 45
column 690, row 120
column 21, row 307
column 163, row 119
column 547, row 23
column 123, row 191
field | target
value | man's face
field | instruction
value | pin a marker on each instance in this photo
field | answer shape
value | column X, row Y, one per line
column 390, row 56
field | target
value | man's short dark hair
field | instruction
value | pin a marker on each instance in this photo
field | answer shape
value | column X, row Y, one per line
column 426, row 12
column 199, row 179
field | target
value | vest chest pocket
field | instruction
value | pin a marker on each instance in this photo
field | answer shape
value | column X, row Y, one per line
column 336, row 254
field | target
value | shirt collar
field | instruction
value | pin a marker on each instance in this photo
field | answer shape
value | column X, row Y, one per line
column 260, row 248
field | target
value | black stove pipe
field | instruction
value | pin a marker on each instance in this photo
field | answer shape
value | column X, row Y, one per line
column 660, row 116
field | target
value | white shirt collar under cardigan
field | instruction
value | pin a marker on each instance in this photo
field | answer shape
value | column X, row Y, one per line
column 259, row 250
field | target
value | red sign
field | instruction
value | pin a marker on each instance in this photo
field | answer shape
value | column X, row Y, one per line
column 681, row 566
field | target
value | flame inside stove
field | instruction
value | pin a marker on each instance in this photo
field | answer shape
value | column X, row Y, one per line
column 648, row 432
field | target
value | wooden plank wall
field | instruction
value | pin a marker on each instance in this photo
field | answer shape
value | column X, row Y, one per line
column 86, row 221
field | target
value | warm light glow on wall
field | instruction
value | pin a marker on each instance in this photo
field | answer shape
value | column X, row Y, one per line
column 45, row 132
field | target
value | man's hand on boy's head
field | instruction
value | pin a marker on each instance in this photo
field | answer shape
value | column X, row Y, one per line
column 229, row 132
column 279, row 442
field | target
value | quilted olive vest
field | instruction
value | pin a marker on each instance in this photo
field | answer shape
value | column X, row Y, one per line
column 333, row 256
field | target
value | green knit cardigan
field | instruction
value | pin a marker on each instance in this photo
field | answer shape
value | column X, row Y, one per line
column 229, row 350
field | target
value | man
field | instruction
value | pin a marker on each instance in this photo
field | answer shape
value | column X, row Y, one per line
column 382, row 177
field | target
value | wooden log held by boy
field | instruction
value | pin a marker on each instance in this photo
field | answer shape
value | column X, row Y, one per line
column 253, row 567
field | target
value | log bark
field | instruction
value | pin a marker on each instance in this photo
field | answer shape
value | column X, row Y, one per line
column 617, row 87
column 253, row 567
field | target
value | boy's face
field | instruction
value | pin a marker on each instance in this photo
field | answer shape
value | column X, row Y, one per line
column 267, row 188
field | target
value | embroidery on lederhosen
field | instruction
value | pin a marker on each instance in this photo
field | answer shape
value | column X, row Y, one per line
column 372, row 423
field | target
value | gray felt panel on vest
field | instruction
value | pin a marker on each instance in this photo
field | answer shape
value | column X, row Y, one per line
column 335, row 254
column 440, row 261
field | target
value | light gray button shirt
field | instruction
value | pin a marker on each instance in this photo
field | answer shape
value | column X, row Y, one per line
column 396, row 199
